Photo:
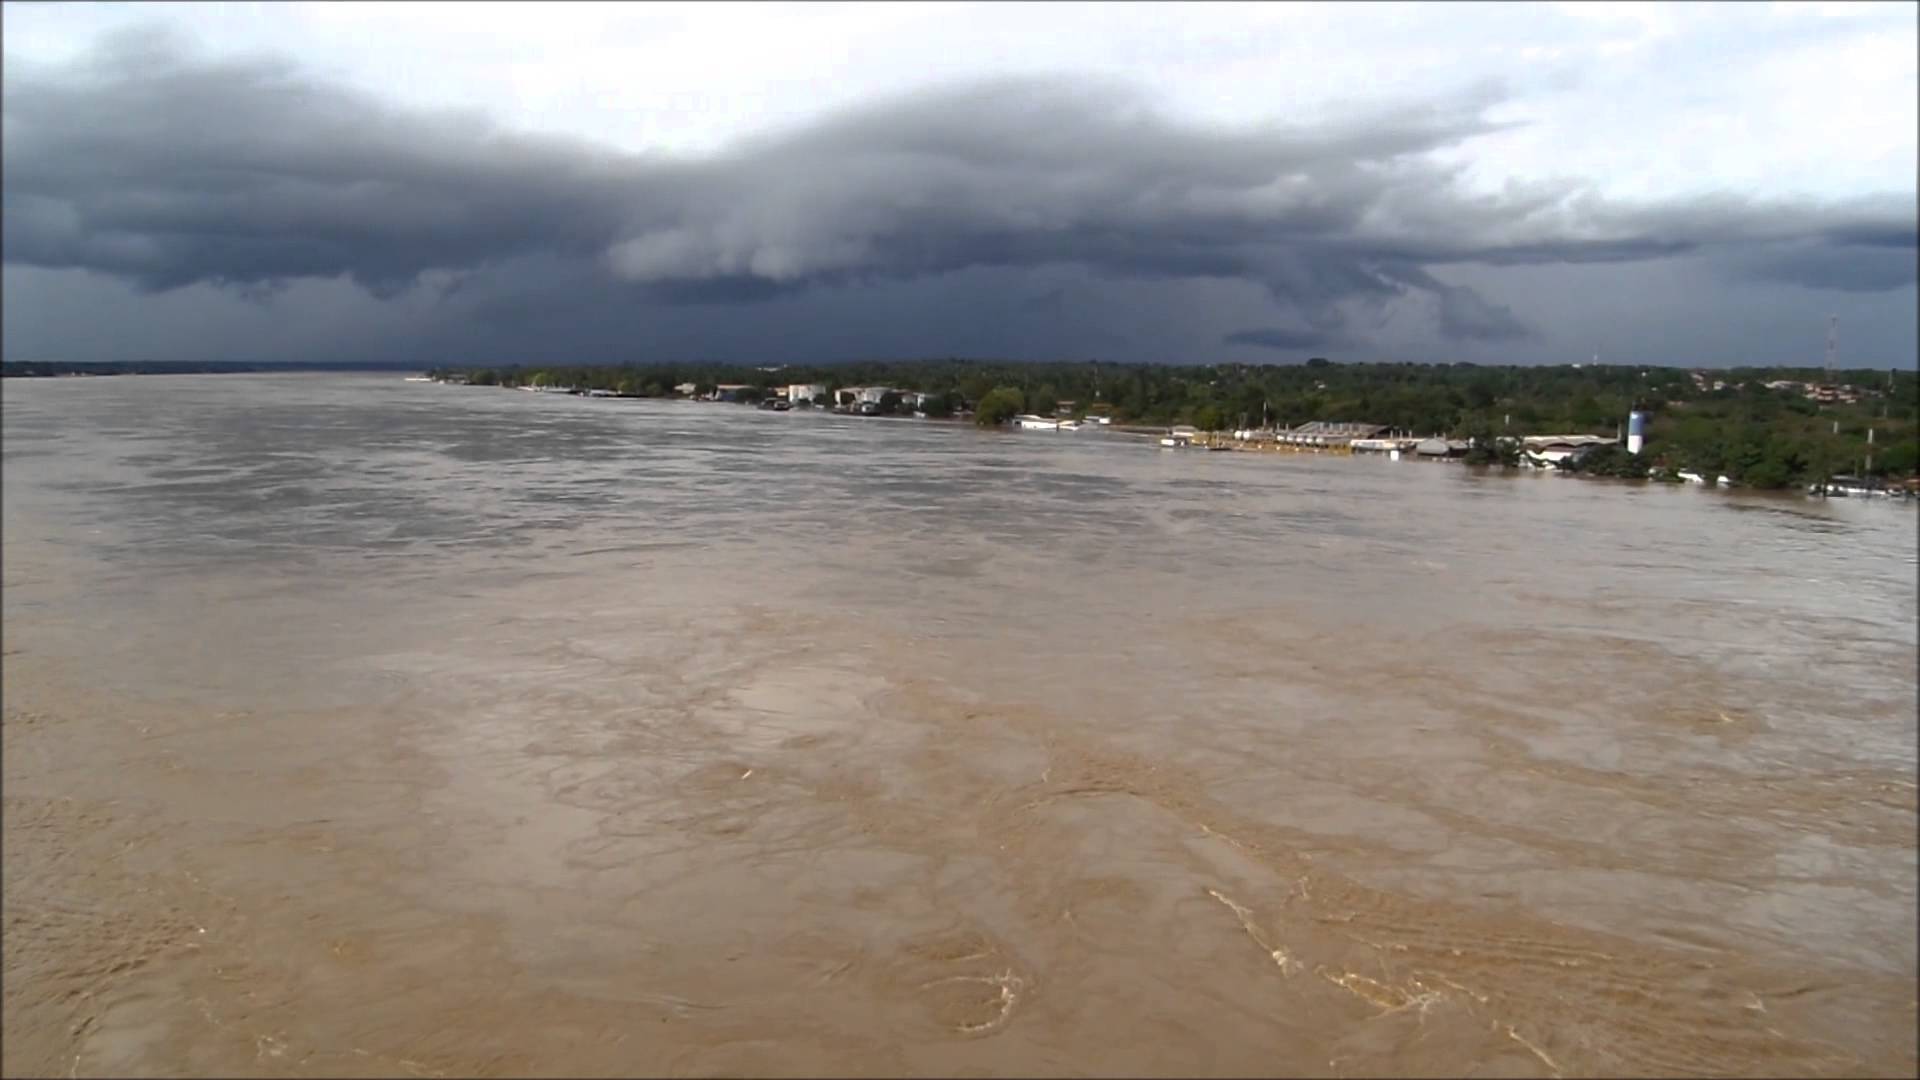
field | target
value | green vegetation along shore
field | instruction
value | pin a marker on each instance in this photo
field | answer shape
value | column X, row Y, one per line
column 1763, row 427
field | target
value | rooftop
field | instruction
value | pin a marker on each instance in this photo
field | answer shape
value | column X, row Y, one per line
column 1341, row 429
column 1536, row 441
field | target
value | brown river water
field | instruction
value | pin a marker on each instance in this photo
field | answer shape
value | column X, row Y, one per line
column 362, row 727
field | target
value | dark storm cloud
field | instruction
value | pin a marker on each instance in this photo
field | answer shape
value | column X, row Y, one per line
column 164, row 169
column 1051, row 302
column 1867, row 267
column 1466, row 316
column 1277, row 338
column 168, row 171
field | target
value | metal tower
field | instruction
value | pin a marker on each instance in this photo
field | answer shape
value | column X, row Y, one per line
column 1833, row 344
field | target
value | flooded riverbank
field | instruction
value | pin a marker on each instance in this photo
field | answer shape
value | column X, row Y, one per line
column 358, row 727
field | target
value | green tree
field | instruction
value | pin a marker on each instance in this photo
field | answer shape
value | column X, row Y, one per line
column 998, row 406
column 1769, row 472
column 1585, row 413
column 1898, row 459
column 976, row 386
column 1489, row 450
column 1610, row 459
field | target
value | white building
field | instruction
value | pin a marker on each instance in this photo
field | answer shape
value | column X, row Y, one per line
column 799, row 392
column 1552, row 450
column 1328, row 433
column 1382, row 446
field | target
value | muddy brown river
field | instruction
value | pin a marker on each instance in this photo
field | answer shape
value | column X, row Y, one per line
column 356, row 727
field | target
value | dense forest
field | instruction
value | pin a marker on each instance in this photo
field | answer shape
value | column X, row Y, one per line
column 1727, row 421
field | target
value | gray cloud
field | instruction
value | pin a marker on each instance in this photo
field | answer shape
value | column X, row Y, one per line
column 1466, row 316
column 163, row 169
column 167, row 171
column 1276, row 338
column 1051, row 302
column 1868, row 266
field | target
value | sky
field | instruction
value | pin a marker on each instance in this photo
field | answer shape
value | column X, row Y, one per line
column 1701, row 185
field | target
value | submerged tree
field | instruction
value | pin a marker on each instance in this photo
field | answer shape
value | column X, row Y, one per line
column 1610, row 459
column 938, row 406
column 998, row 406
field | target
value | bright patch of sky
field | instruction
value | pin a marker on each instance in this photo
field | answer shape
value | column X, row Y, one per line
column 1643, row 100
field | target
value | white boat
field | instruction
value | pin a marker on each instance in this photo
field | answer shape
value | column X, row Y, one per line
column 1849, row 487
column 418, row 378
column 1035, row 423
column 1069, row 425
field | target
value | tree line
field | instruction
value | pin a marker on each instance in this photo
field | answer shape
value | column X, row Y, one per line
column 1759, row 436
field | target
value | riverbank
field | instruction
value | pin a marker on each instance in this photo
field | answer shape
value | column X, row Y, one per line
column 1269, row 443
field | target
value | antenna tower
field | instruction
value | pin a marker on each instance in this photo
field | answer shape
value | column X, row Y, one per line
column 1833, row 344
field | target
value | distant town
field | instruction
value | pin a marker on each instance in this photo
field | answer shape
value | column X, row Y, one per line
column 1850, row 434
column 1830, row 432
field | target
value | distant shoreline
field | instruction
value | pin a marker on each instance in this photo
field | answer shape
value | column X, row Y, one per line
column 1246, row 442
column 34, row 369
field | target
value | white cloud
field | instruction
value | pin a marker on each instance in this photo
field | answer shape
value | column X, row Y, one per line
column 1640, row 98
